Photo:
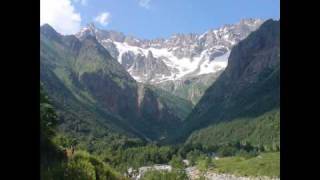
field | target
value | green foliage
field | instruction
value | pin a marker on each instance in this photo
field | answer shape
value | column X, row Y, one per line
column 136, row 157
column 176, row 162
column 204, row 163
column 54, row 165
column 49, row 151
column 180, row 106
column 265, row 164
column 262, row 132
column 51, row 156
column 48, row 117
column 85, row 166
column 53, row 171
column 82, row 166
column 246, row 154
column 105, row 142
column 164, row 175
column 79, row 170
column 227, row 151
column 193, row 156
column 64, row 141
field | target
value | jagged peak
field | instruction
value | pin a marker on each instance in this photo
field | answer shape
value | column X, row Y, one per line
column 48, row 31
column 90, row 28
column 47, row 27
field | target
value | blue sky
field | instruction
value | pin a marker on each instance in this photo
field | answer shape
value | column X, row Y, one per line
column 162, row 18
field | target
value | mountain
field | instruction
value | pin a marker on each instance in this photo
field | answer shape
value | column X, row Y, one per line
column 94, row 93
column 82, row 76
column 179, row 58
column 249, row 86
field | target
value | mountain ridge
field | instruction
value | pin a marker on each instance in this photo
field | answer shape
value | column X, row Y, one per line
column 93, row 77
column 179, row 55
column 89, row 62
column 248, row 87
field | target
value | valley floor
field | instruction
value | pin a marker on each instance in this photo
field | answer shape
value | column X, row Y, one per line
column 265, row 166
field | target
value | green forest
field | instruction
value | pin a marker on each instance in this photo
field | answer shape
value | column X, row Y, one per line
column 59, row 162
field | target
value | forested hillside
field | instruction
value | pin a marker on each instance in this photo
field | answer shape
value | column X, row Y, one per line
column 262, row 131
column 248, row 88
column 58, row 160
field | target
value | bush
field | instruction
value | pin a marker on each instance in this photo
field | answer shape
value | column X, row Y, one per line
column 80, row 170
column 203, row 164
column 176, row 162
column 247, row 155
column 227, row 151
column 85, row 166
column 52, row 172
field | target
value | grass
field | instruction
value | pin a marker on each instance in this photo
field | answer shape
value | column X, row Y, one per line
column 266, row 164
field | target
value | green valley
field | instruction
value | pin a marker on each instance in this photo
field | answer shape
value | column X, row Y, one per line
column 97, row 122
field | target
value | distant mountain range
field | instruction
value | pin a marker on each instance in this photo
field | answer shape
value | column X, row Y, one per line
column 184, row 64
column 181, row 55
column 103, row 81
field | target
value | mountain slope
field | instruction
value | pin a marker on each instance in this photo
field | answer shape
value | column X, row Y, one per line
column 191, row 88
column 78, row 114
column 55, row 163
column 81, row 76
column 262, row 131
column 250, row 85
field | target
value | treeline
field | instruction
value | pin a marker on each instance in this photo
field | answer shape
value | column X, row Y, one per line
column 150, row 154
column 262, row 132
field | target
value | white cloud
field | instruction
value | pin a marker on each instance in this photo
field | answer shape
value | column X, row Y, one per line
column 61, row 15
column 145, row 3
column 103, row 18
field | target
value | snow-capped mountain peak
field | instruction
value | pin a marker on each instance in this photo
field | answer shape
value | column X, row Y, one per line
column 181, row 55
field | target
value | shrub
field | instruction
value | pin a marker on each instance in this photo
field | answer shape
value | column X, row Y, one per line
column 85, row 166
column 80, row 169
column 176, row 162
column 203, row 164
column 227, row 151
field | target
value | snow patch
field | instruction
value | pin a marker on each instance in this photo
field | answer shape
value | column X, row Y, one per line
column 215, row 65
column 184, row 65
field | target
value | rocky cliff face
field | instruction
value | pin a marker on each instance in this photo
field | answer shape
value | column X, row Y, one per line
column 190, row 88
column 249, row 86
column 178, row 57
column 92, row 75
column 146, row 67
